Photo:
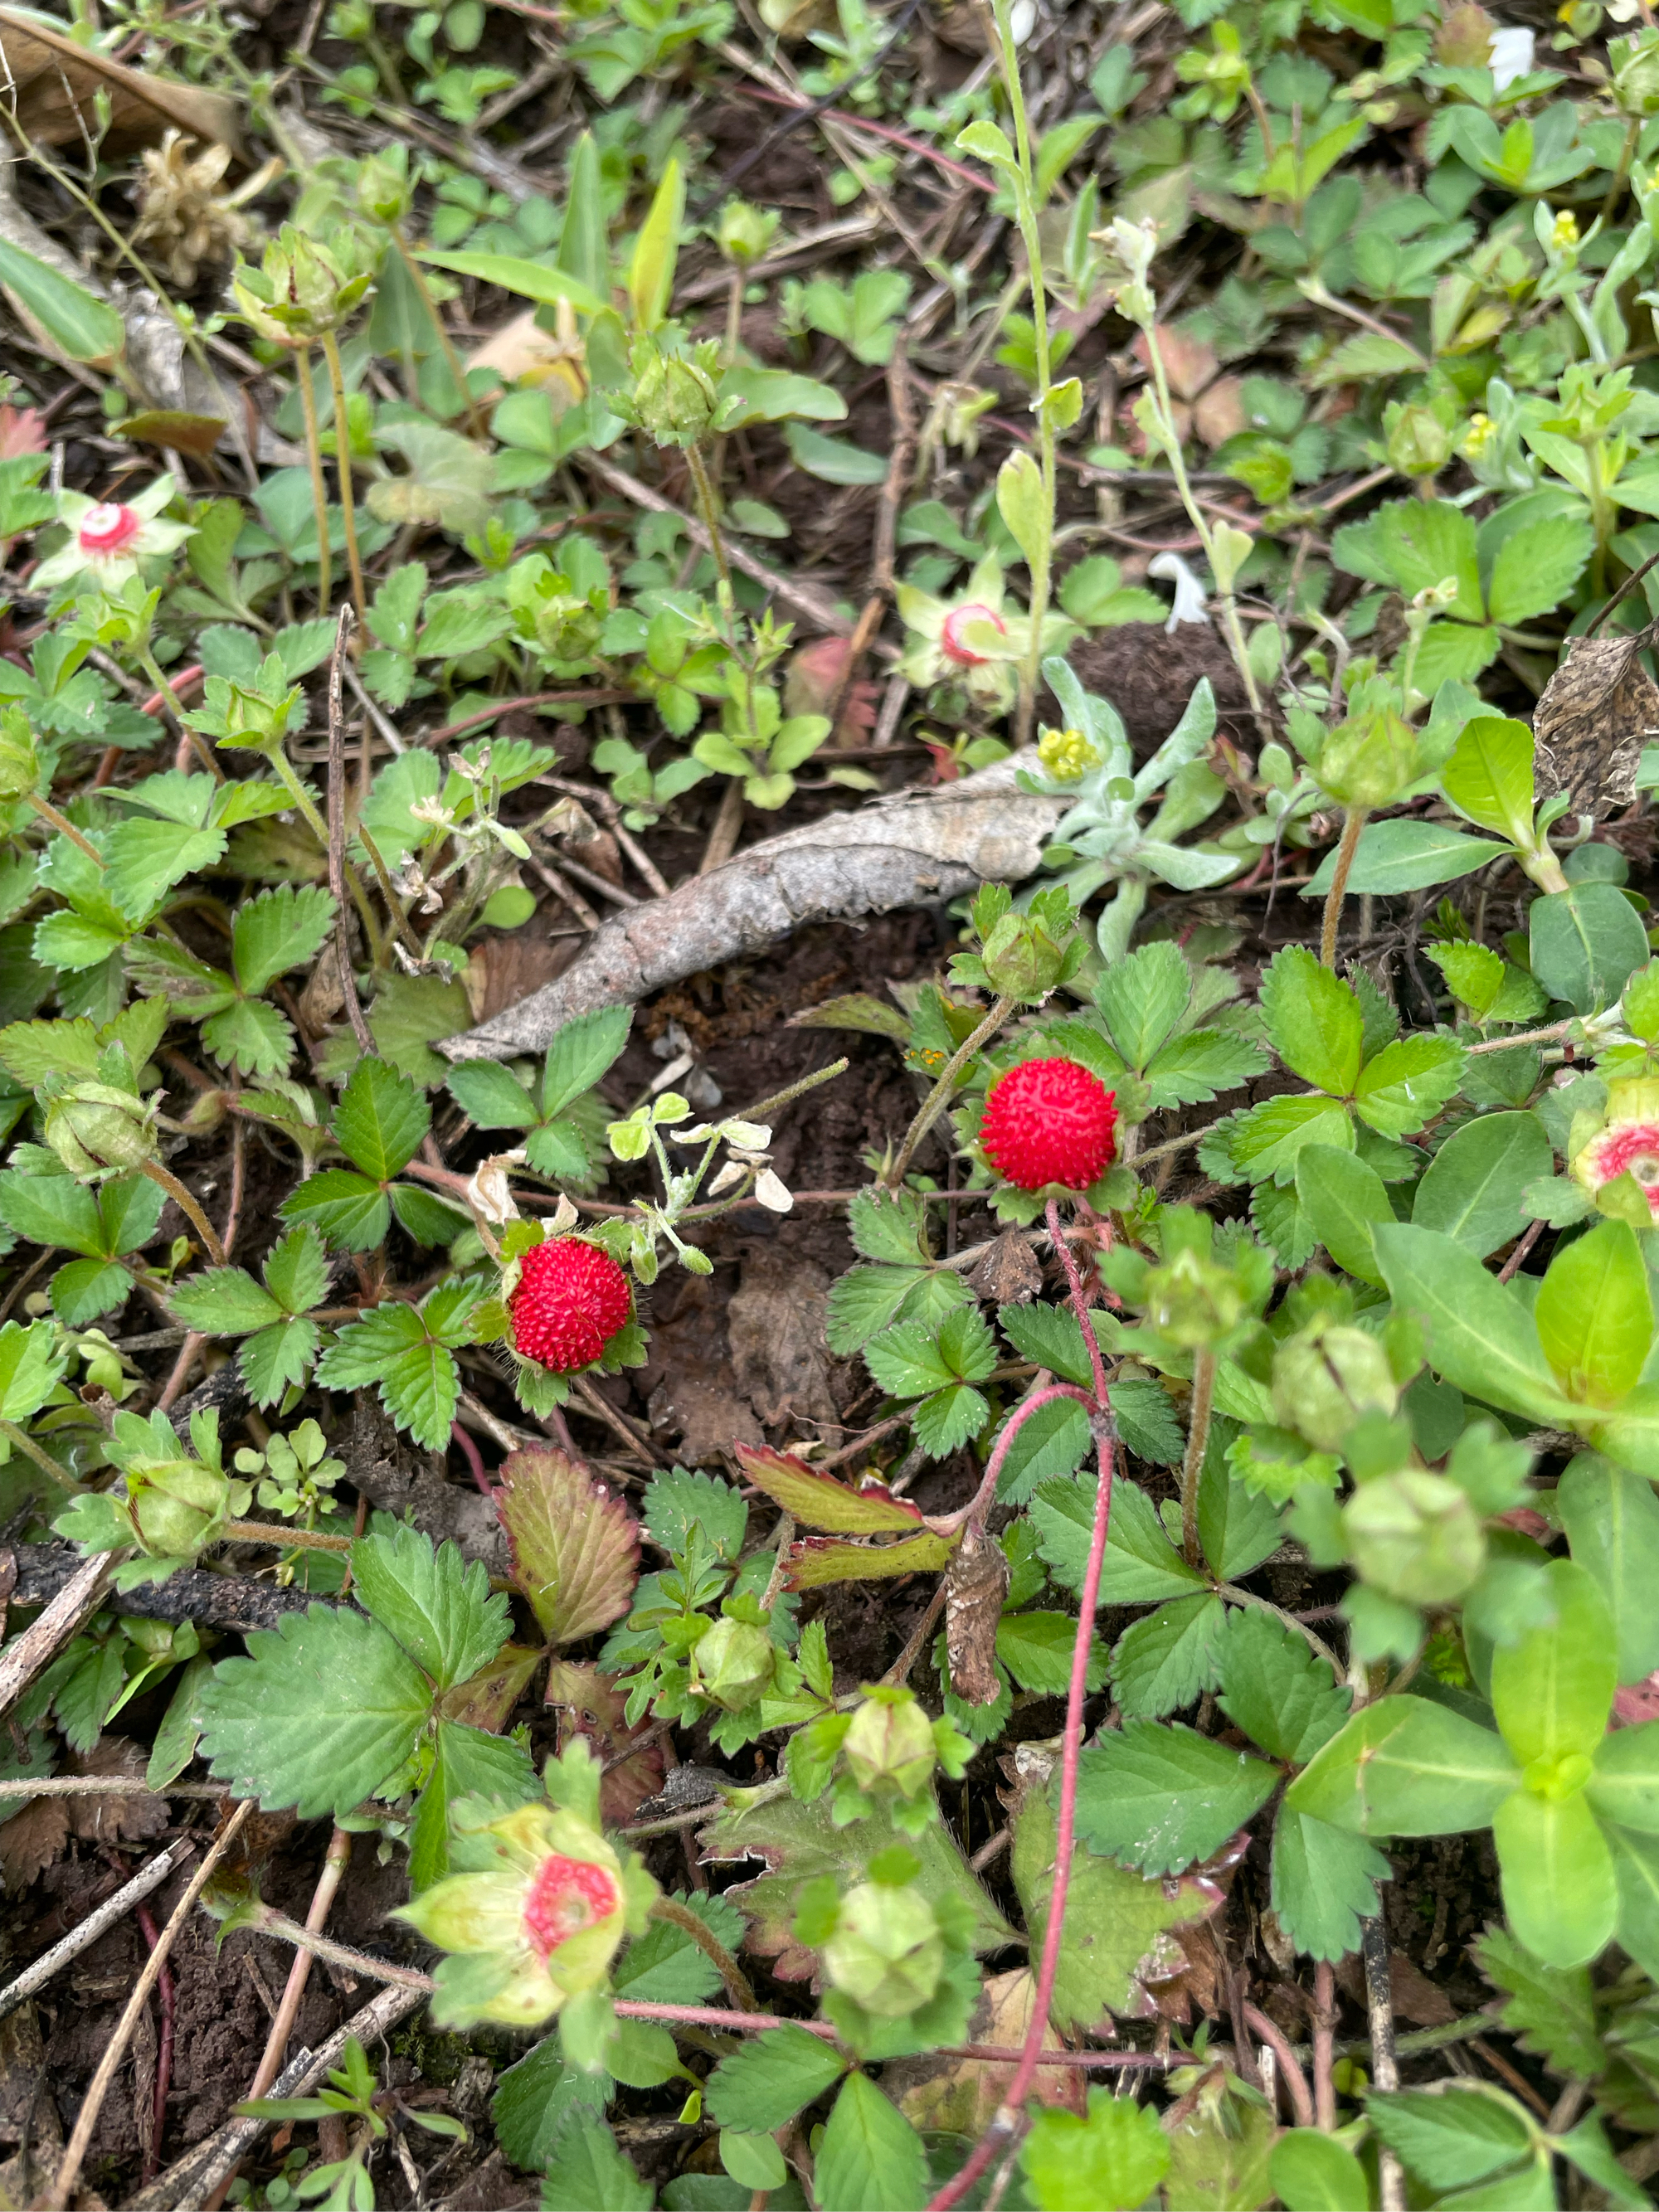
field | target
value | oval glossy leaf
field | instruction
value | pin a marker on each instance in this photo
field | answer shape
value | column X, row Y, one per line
column 1312, row 2172
column 1488, row 778
column 1406, row 856
column 1611, row 1521
column 1474, row 1188
column 1560, row 1890
column 1344, row 1199
column 1625, row 1785
column 1595, row 1314
column 1553, row 1690
column 1586, row 942
column 1405, row 1767
column 1481, row 1335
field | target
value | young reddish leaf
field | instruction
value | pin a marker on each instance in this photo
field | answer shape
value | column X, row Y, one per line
column 820, row 1502
column 818, row 1560
column 575, row 1548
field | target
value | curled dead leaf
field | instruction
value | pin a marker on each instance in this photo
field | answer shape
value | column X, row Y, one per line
column 52, row 83
column 1597, row 711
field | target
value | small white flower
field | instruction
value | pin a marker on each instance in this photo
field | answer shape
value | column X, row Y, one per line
column 772, row 1192
column 733, row 1172
column 109, row 538
column 1512, row 50
column 1190, row 606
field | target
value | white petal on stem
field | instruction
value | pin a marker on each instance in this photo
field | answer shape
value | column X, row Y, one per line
column 733, row 1172
column 488, row 1193
column 772, row 1192
column 1190, row 606
column 1512, row 52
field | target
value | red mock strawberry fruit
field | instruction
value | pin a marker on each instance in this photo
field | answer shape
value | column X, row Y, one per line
column 1050, row 1120
column 571, row 1300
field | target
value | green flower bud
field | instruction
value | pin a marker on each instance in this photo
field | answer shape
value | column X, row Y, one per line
column 745, row 231
column 887, row 1953
column 299, row 291
column 1416, row 1537
column 735, row 1662
column 1021, row 959
column 891, row 1741
column 1418, row 443
column 177, row 1507
column 673, row 400
column 1368, row 761
column 384, row 191
column 97, row 1130
column 1193, row 1302
column 1324, row 1378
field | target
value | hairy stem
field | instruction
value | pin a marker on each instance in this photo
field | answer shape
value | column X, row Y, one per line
column 1198, row 1437
column 64, row 826
column 711, row 520
column 343, row 468
column 314, row 456
column 22, row 1441
column 939, row 1097
column 175, row 1190
column 667, row 1908
column 1353, row 822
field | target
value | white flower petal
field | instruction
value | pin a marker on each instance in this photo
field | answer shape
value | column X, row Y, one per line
column 772, row 1192
column 1512, row 51
column 1190, row 604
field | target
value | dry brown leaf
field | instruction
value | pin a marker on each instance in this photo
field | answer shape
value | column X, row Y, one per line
column 51, row 84
column 775, row 1325
column 588, row 1705
column 960, row 2096
column 931, row 845
column 1219, row 414
column 34, row 1839
column 1598, row 710
column 112, row 1819
column 1007, row 1271
column 975, row 1587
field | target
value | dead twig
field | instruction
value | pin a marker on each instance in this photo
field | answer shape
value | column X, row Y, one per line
column 56, row 2197
column 335, row 1862
column 41, row 1641
column 1385, row 2065
column 194, row 2177
column 81, row 1938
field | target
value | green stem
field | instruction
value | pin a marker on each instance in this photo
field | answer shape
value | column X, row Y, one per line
column 937, row 1099
column 343, row 467
column 24, row 1442
column 318, row 489
column 1353, row 822
column 681, row 1916
column 175, row 1190
column 64, row 826
column 1040, row 562
column 711, row 521
column 198, row 744
column 1199, row 521
column 1198, row 1437
column 283, row 1540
